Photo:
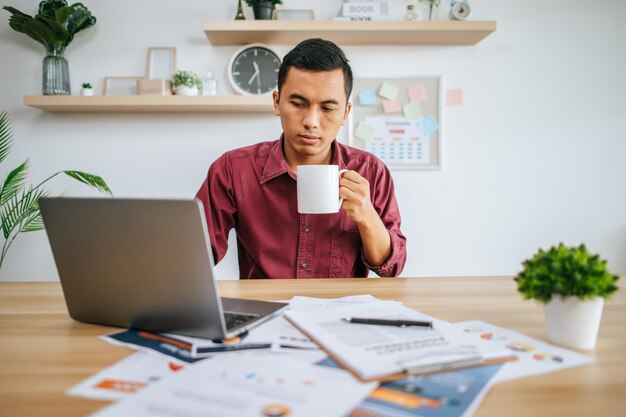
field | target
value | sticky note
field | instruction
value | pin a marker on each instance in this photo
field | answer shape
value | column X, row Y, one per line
column 428, row 125
column 412, row 111
column 392, row 106
column 364, row 131
column 454, row 97
column 368, row 98
column 417, row 93
column 389, row 90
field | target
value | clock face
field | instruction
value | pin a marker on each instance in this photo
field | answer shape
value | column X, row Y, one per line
column 254, row 70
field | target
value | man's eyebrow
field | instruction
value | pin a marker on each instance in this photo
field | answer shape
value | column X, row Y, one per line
column 299, row 97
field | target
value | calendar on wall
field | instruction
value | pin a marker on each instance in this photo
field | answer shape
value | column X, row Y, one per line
column 398, row 120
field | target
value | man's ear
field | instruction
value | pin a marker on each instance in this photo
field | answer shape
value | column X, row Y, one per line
column 348, row 108
column 276, row 99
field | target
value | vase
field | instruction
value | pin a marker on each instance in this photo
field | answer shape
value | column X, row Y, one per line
column 263, row 10
column 572, row 322
column 183, row 90
column 56, row 73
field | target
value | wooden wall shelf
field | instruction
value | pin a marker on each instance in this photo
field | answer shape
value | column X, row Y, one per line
column 391, row 32
column 150, row 104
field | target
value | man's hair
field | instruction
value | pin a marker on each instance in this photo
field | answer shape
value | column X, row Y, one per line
column 317, row 55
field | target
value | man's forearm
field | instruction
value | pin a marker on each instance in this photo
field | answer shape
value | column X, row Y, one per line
column 376, row 241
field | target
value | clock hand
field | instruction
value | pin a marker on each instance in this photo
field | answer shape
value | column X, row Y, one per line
column 256, row 73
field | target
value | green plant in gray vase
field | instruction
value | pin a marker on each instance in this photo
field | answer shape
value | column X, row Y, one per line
column 263, row 9
column 54, row 26
column 572, row 284
column 19, row 205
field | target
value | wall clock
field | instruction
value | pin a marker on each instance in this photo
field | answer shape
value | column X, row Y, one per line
column 253, row 69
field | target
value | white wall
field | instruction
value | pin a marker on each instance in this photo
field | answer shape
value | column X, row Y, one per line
column 535, row 156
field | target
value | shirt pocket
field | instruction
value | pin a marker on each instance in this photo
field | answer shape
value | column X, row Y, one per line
column 345, row 254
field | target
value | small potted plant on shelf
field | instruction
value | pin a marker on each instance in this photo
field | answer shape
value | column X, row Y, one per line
column 186, row 83
column 86, row 89
column 263, row 10
column 572, row 284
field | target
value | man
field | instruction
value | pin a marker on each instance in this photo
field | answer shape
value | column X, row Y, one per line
column 253, row 189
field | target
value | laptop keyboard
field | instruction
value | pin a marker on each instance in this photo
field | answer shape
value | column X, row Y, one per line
column 234, row 320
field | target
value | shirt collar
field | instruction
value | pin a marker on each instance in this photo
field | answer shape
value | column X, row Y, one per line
column 277, row 164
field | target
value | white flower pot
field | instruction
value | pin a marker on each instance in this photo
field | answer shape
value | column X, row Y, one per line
column 183, row 90
column 572, row 322
column 86, row 91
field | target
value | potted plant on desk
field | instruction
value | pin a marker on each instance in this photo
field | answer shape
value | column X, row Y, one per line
column 263, row 10
column 572, row 284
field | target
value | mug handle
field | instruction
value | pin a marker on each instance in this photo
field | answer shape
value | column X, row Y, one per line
column 341, row 198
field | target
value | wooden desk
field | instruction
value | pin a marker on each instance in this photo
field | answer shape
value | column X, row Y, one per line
column 43, row 352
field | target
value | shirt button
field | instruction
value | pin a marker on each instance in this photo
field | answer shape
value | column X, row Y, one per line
column 307, row 229
column 304, row 265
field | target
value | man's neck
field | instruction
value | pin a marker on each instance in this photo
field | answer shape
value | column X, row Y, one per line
column 294, row 160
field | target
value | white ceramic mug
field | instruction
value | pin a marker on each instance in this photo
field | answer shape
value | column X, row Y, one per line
column 318, row 189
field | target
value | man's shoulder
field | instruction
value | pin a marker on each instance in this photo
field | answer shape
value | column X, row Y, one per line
column 251, row 154
column 359, row 160
column 258, row 150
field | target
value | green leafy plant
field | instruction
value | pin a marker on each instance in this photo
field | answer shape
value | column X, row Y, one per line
column 19, row 206
column 253, row 2
column 55, row 25
column 86, row 85
column 564, row 271
column 186, row 78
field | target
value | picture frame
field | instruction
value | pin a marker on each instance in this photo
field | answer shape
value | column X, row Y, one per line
column 404, row 139
column 120, row 86
column 161, row 64
column 294, row 14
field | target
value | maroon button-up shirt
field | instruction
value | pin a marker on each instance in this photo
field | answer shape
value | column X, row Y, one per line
column 253, row 190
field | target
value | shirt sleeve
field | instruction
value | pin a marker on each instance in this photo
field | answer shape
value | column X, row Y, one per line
column 384, row 201
column 220, row 208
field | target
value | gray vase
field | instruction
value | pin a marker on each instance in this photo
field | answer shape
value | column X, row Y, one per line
column 263, row 10
column 56, row 73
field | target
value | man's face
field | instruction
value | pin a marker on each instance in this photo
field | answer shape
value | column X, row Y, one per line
column 312, row 106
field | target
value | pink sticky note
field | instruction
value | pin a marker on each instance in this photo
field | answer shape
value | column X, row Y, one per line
column 454, row 97
column 392, row 106
column 417, row 93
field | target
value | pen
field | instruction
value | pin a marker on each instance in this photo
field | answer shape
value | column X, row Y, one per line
column 388, row 322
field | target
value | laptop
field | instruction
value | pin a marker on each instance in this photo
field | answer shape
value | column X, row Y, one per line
column 143, row 264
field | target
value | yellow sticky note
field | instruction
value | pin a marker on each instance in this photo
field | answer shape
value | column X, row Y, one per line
column 392, row 106
column 412, row 111
column 389, row 90
column 364, row 131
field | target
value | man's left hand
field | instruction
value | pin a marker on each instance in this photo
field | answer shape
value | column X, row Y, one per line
column 355, row 190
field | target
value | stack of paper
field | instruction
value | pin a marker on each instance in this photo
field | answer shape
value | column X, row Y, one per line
column 388, row 352
column 287, row 373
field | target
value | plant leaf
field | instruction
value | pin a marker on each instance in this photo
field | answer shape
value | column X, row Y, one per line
column 13, row 183
column 19, row 208
column 48, row 8
column 79, row 19
column 92, row 180
column 33, row 223
column 23, row 23
column 5, row 135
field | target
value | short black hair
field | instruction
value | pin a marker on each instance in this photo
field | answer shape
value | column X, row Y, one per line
column 317, row 55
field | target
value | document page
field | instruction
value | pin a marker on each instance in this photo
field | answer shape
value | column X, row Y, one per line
column 374, row 351
column 242, row 384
